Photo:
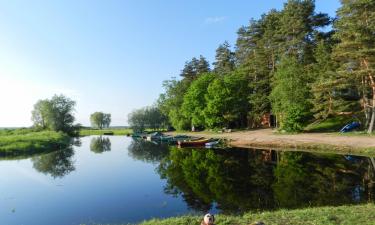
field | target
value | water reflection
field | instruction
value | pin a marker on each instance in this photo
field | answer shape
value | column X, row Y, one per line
column 147, row 151
column 100, row 144
column 57, row 164
column 236, row 180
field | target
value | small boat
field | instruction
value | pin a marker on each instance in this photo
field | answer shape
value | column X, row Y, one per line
column 212, row 143
column 166, row 138
column 193, row 143
column 154, row 136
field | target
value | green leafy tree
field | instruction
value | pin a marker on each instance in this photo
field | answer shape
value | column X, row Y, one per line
column 147, row 117
column 355, row 28
column 55, row 114
column 290, row 95
column 41, row 114
column 100, row 120
column 194, row 100
column 226, row 100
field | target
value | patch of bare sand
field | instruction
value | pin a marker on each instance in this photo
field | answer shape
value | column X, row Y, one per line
column 267, row 137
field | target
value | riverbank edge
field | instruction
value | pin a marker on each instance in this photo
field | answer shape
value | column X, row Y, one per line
column 284, row 145
column 348, row 214
column 25, row 147
column 115, row 132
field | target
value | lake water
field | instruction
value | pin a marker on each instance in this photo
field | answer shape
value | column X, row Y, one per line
column 115, row 179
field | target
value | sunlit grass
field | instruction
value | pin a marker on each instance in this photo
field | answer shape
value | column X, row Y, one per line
column 122, row 131
column 27, row 141
column 359, row 214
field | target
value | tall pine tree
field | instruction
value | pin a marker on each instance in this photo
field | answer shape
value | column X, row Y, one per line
column 355, row 29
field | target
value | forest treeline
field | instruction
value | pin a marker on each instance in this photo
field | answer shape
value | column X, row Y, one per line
column 296, row 64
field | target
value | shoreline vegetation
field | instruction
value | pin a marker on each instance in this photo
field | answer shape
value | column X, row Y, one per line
column 26, row 141
column 106, row 131
column 349, row 214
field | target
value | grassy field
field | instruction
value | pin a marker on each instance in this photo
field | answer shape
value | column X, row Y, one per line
column 16, row 142
column 359, row 214
column 114, row 131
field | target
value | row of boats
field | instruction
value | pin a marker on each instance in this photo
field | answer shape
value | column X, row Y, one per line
column 180, row 140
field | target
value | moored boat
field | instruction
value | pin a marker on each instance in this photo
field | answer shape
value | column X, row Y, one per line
column 193, row 143
column 212, row 143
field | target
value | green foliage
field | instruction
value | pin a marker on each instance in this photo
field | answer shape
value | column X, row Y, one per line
column 171, row 101
column 290, row 95
column 226, row 100
column 55, row 114
column 355, row 28
column 287, row 59
column 194, row 100
column 327, row 99
column 225, row 60
column 148, row 117
column 195, row 67
column 100, row 120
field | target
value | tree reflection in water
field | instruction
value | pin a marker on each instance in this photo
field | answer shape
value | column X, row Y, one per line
column 237, row 180
column 147, row 151
column 57, row 164
column 100, row 144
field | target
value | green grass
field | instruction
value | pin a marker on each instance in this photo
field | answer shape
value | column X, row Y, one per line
column 122, row 131
column 359, row 214
column 18, row 142
column 333, row 124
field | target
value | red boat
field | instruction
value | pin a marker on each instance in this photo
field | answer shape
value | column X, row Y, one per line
column 195, row 143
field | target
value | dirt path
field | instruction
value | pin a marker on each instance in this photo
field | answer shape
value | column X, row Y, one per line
column 268, row 138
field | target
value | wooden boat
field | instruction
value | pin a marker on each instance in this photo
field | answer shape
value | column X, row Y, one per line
column 193, row 143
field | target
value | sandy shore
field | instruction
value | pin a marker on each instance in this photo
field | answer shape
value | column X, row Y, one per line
column 269, row 138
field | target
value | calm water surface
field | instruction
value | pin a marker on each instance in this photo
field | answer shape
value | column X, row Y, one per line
column 120, row 180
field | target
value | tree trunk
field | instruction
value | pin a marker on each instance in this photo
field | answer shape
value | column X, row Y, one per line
column 371, row 125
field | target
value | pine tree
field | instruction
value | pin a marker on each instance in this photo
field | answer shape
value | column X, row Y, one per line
column 355, row 29
column 195, row 67
column 224, row 63
column 328, row 84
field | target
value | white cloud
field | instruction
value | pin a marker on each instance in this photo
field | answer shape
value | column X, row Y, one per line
column 216, row 19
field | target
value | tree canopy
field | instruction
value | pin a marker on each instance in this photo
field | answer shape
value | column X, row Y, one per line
column 291, row 64
column 100, row 120
column 55, row 114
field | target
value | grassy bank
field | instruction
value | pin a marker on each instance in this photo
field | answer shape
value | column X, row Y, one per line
column 359, row 214
column 18, row 142
column 87, row 132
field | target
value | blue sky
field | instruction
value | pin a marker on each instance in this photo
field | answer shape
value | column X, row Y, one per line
column 109, row 56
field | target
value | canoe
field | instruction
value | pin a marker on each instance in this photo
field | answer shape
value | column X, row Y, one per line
column 194, row 143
